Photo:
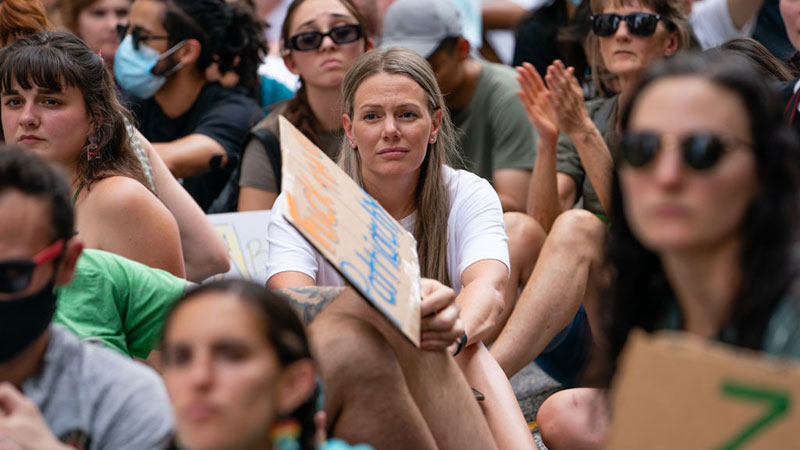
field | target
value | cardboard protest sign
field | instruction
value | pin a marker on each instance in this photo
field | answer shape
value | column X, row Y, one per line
column 352, row 231
column 676, row 391
column 245, row 234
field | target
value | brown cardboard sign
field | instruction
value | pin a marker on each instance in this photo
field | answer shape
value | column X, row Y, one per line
column 677, row 391
column 351, row 230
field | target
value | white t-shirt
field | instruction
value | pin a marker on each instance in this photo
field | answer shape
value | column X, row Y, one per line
column 475, row 232
column 712, row 24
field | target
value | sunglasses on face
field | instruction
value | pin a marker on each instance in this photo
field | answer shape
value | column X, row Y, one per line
column 137, row 35
column 16, row 276
column 639, row 24
column 700, row 151
column 312, row 40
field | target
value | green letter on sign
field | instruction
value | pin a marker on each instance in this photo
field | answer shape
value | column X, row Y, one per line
column 778, row 404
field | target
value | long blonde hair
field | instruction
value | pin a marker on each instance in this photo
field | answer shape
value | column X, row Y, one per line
column 432, row 196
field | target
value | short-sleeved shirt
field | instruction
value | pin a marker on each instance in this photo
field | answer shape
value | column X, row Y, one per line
column 569, row 162
column 494, row 131
column 223, row 114
column 116, row 301
column 475, row 232
column 257, row 171
column 712, row 24
column 96, row 399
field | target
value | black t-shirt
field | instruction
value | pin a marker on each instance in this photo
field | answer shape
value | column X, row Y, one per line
column 223, row 114
column 771, row 31
column 536, row 44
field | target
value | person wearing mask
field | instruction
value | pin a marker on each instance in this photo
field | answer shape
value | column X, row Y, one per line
column 59, row 102
column 196, row 126
column 57, row 392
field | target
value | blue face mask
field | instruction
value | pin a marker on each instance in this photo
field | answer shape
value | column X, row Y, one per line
column 133, row 68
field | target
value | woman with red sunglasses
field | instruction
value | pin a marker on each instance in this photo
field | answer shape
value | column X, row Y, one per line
column 704, row 224
column 320, row 40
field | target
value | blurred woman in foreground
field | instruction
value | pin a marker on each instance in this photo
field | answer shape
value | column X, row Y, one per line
column 704, row 225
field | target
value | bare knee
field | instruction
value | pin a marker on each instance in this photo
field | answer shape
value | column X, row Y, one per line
column 525, row 239
column 573, row 419
column 579, row 231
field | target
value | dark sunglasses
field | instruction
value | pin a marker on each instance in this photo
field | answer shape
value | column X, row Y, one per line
column 16, row 276
column 137, row 35
column 700, row 151
column 312, row 40
column 639, row 24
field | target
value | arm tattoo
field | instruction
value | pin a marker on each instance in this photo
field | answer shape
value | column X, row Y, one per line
column 308, row 301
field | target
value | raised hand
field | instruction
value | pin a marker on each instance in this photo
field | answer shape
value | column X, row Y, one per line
column 536, row 101
column 566, row 97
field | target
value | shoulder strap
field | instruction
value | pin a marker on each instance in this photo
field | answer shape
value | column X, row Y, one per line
column 273, row 149
column 78, row 192
column 791, row 107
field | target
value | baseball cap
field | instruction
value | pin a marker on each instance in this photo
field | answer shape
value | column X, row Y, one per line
column 420, row 25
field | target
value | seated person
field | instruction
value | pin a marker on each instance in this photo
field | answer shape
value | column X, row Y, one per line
column 495, row 140
column 704, row 235
column 716, row 21
column 242, row 59
column 270, row 398
column 314, row 31
column 399, row 138
column 554, row 314
column 204, row 251
column 117, row 302
column 197, row 127
column 56, row 391
column 59, row 102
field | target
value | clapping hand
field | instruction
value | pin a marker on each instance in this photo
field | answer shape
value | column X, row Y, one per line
column 537, row 103
column 566, row 98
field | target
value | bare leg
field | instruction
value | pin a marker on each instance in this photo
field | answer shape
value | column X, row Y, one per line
column 557, row 287
column 440, row 408
column 525, row 239
column 574, row 419
column 501, row 409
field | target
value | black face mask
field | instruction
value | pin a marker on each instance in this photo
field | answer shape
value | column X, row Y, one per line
column 22, row 320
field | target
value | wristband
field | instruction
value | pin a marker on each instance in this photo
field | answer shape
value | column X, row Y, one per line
column 462, row 342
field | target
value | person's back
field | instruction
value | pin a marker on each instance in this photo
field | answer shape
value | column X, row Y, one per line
column 117, row 302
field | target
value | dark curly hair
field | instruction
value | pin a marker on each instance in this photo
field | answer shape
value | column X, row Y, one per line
column 229, row 34
column 52, row 60
column 640, row 295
